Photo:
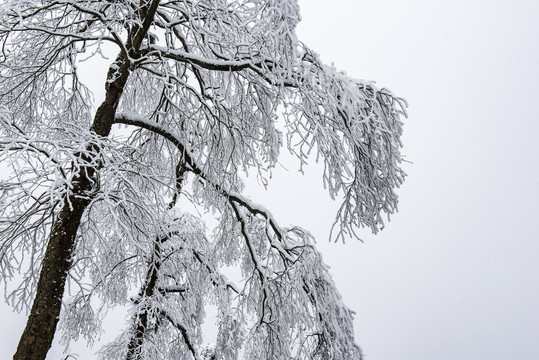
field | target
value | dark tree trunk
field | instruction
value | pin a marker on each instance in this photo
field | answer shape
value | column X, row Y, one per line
column 37, row 337
column 41, row 325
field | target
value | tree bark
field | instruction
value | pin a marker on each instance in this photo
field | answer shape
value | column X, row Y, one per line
column 37, row 337
column 41, row 325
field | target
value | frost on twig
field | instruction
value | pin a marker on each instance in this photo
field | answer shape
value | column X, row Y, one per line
column 355, row 128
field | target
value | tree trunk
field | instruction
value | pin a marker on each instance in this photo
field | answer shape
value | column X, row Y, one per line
column 41, row 325
column 37, row 337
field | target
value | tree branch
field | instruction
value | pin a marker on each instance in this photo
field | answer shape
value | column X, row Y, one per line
column 182, row 330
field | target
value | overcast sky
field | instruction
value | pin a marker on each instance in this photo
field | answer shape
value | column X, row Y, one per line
column 454, row 275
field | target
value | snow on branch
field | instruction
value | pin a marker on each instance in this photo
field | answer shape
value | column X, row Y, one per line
column 293, row 265
column 208, row 64
column 233, row 197
column 355, row 129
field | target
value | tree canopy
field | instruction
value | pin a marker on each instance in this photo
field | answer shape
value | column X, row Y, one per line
column 209, row 90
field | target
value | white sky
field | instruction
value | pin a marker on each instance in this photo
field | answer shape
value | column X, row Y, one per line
column 454, row 274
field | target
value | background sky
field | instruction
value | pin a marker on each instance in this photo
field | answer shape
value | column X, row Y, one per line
column 454, row 275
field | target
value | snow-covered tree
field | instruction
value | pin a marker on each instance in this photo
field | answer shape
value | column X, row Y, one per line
column 208, row 90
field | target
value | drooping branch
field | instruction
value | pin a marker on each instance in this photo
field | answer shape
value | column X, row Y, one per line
column 127, row 119
column 235, row 200
column 183, row 331
column 151, row 281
